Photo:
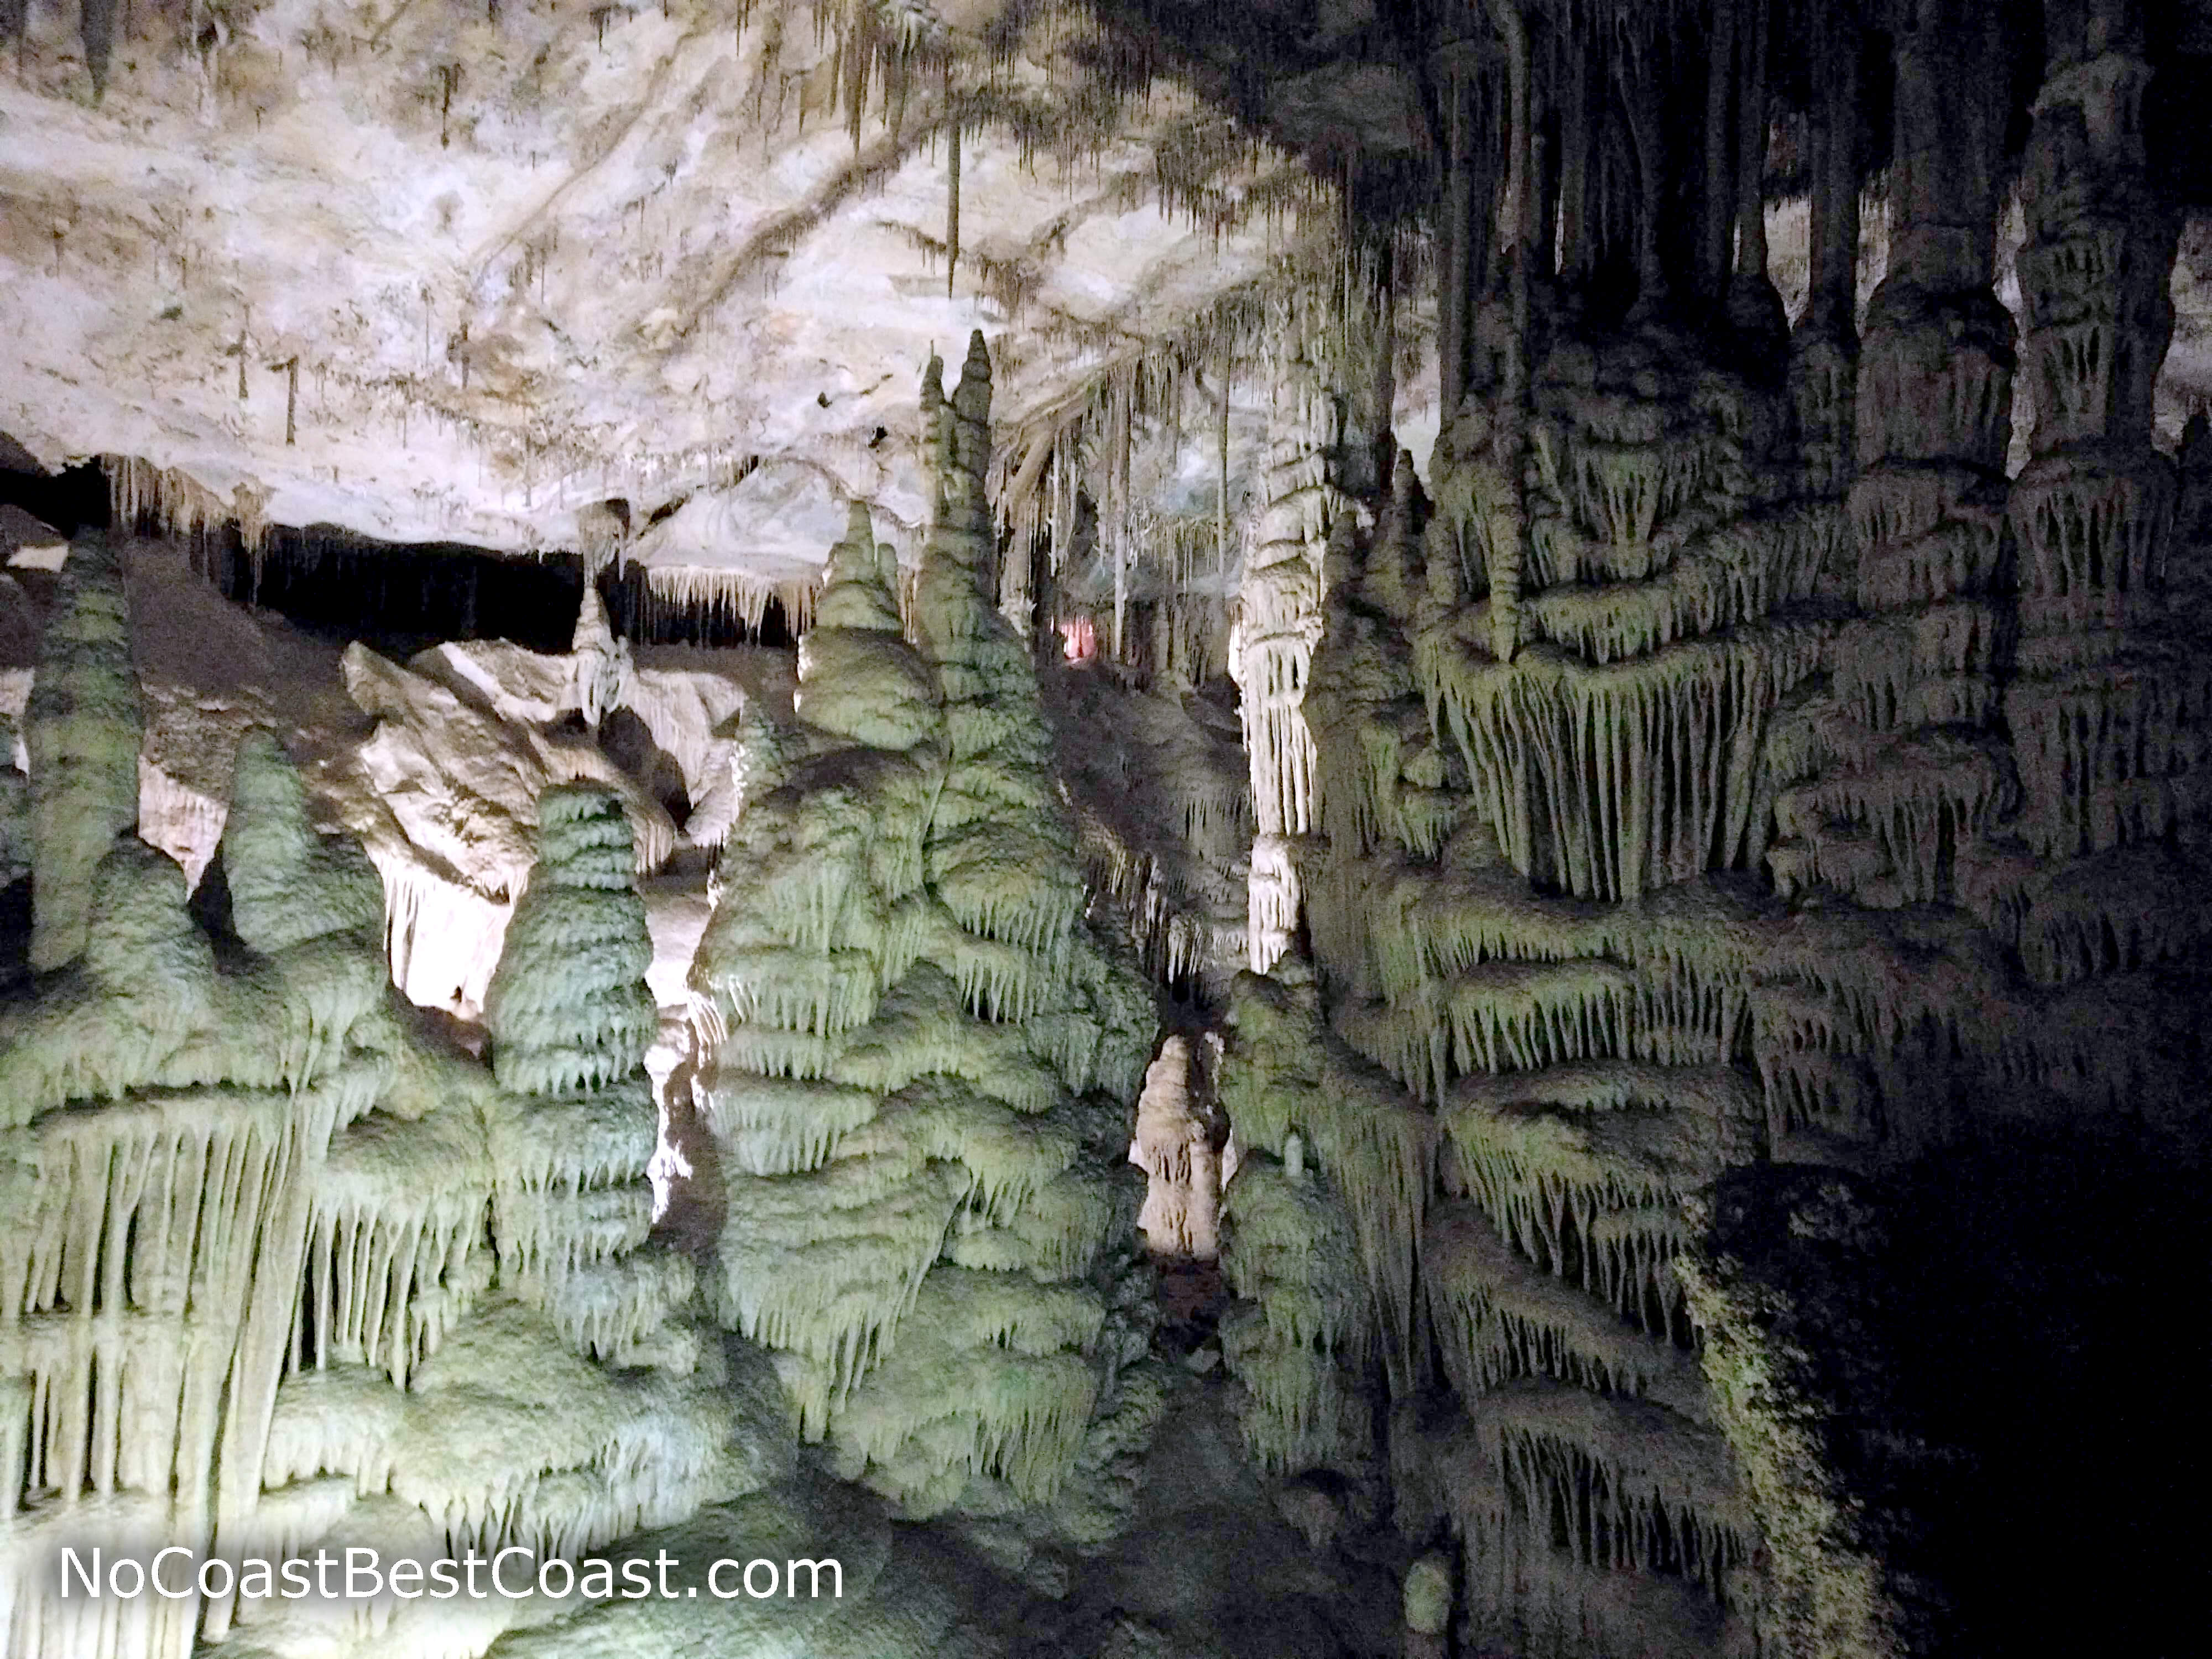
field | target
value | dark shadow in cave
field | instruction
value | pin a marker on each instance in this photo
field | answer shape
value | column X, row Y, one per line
column 2009, row 1348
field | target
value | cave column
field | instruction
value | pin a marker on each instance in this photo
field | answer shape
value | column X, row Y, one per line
column 1330, row 367
column 1823, row 349
column 2093, row 713
column 1910, row 772
column 1279, row 624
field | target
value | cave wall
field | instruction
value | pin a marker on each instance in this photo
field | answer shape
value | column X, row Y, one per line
column 1722, row 771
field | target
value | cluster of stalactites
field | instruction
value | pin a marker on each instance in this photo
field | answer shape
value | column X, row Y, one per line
column 1604, row 627
column 2044, row 610
column 255, row 1207
column 1591, row 1523
column 482, row 1332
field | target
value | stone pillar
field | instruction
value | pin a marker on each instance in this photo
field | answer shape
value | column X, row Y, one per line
column 1899, row 786
column 1280, row 625
column 2093, row 512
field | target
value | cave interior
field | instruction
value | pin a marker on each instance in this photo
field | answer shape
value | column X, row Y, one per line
column 1518, row 692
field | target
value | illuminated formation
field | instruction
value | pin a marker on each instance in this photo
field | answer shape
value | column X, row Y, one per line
column 924, row 1061
column 283, row 1273
column 1468, row 915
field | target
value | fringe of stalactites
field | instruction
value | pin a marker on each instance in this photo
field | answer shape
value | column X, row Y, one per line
column 177, row 504
column 728, row 596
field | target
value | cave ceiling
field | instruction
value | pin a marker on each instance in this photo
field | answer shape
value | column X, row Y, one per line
column 428, row 272
column 437, row 272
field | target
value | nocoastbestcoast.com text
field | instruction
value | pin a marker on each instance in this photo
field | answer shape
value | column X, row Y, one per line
column 360, row 1574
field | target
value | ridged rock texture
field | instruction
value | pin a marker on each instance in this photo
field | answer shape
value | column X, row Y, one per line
column 1719, row 767
column 283, row 1273
column 921, row 1062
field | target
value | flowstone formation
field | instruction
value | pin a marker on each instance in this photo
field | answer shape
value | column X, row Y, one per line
column 283, row 1273
column 923, row 1061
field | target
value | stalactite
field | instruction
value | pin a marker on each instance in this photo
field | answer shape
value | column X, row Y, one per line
column 1278, row 624
column 951, row 207
column 1824, row 347
column 1162, row 819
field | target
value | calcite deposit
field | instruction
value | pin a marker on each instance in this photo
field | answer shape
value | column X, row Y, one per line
column 1467, row 915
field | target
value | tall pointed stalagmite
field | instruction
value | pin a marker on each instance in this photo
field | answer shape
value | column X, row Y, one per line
column 83, row 732
column 922, row 1059
column 568, row 1007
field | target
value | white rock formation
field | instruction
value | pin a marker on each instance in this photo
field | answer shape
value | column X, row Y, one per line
column 1174, row 1146
column 686, row 256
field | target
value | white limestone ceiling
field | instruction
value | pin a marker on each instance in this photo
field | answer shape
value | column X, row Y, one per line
column 528, row 256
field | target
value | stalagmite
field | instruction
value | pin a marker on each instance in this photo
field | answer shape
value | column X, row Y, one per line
column 82, row 735
column 287, row 885
column 571, row 1008
column 917, row 1042
column 443, row 795
column 1175, row 1148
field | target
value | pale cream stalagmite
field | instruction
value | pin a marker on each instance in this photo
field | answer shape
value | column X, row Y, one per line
column 917, row 1050
column 1174, row 1146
